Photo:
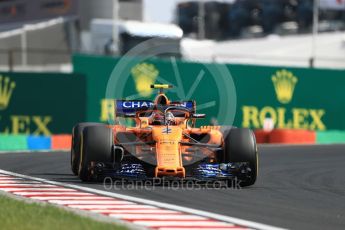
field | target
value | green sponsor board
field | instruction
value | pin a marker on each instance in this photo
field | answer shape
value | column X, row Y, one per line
column 294, row 98
column 41, row 103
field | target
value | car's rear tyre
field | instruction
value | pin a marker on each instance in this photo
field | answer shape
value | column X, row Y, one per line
column 75, row 148
column 240, row 146
column 96, row 146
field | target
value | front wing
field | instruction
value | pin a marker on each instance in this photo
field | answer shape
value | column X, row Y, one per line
column 198, row 172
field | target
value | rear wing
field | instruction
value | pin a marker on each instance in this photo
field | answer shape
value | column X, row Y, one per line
column 128, row 108
column 191, row 105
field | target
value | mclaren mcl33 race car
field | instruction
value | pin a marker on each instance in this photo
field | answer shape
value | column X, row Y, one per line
column 163, row 143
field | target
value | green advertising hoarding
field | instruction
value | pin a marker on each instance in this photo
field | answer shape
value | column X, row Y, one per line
column 295, row 98
column 41, row 103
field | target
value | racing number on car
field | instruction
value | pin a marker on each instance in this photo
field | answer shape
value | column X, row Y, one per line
column 166, row 130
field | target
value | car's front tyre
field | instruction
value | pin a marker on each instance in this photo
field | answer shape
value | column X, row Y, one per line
column 96, row 146
column 240, row 146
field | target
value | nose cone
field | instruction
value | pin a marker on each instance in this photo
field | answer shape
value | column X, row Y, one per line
column 168, row 155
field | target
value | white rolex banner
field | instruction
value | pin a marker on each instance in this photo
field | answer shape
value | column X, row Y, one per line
column 332, row 4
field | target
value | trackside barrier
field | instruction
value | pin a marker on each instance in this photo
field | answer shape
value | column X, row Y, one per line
column 262, row 137
column 38, row 142
column 290, row 136
column 61, row 141
column 285, row 136
column 278, row 136
column 13, row 142
column 24, row 142
column 330, row 137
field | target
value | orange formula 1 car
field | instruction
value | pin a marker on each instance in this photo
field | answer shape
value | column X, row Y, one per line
column 164, row 143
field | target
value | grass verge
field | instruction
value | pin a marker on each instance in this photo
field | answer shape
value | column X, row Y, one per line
column 20, row 215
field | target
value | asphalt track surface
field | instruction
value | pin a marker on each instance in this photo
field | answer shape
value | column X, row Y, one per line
column 299, row 187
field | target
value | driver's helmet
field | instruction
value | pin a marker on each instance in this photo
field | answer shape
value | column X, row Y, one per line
column 156, row 118
column 169, row 118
